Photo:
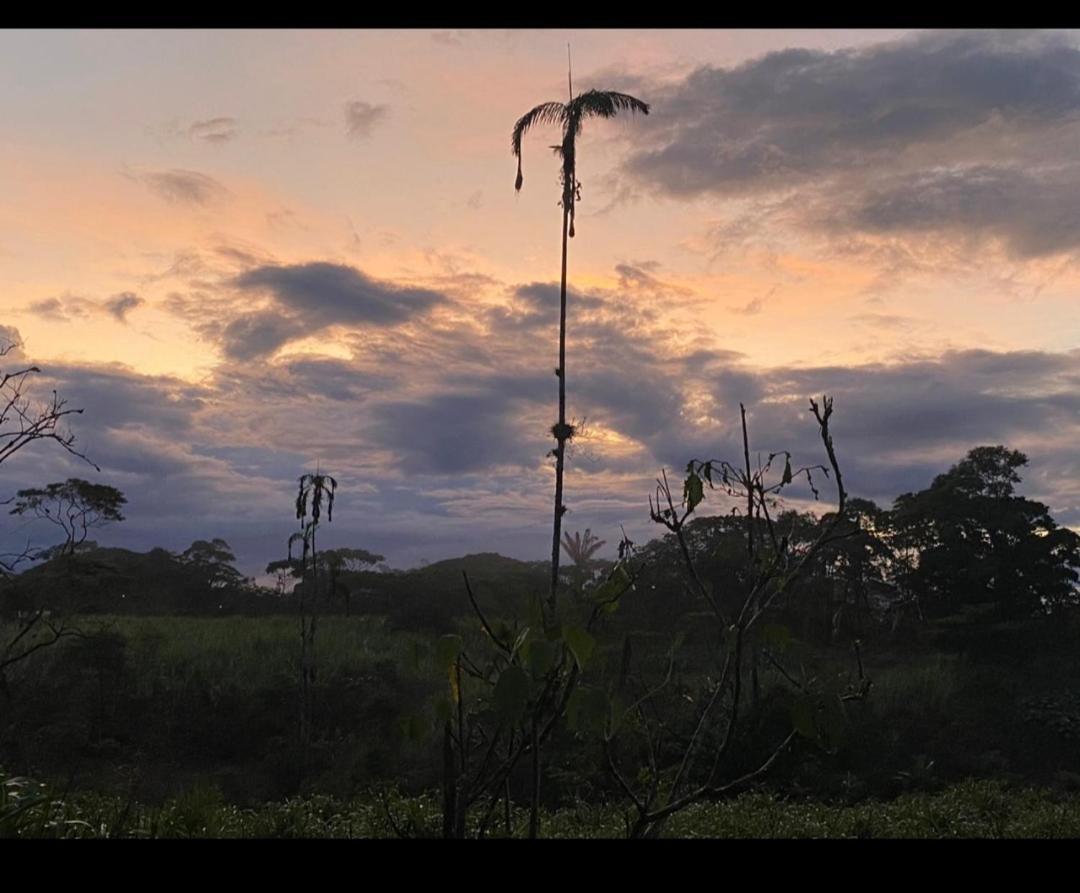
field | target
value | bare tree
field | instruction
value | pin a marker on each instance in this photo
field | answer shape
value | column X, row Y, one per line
column 75, row 506
column 24, row 421
column 672, row 780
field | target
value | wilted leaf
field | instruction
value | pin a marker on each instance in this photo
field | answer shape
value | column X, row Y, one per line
column 455, row 686
column 693, row 491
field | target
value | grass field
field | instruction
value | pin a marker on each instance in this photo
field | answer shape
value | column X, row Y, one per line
column 179, row 726
column 974, row 809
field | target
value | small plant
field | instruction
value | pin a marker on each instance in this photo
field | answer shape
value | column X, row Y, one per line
column 314, row 490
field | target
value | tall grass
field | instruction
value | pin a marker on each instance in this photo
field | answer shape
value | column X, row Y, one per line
column 927, row 684
column 971, row 809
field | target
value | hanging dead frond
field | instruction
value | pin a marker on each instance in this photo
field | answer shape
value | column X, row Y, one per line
column 545, row 113
column 570, row 116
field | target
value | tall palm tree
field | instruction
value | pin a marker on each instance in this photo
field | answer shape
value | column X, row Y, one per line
column 569, row 116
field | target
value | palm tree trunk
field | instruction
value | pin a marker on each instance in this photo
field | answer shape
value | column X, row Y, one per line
column 561, row 429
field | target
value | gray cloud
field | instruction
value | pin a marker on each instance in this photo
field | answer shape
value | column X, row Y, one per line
column 303, row 299
column 49, row 308
column 885, row 321
column 213, row 130
column 756, row 305
column 450, row 38
column 538, row 303
column 361, row 117
column 333, row 293
column 449, row 434
column 11, row 342
column 256, row 335
column 122, row 304
column 62, row 309
column 71, row 307
column 1033, row 211
column 115, row 397
column 791, row 116
column 751, row 308
column 183, row 187
column 439, row 433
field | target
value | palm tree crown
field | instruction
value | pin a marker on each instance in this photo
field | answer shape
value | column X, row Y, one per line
column 582, row 548
column 570, row 116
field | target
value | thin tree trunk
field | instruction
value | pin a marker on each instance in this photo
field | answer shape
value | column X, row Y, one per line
column 560, row 431
column 450, row 792
column 506, row 807
column 534, row 805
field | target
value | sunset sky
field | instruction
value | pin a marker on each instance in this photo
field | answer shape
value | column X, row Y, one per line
column 247, row 252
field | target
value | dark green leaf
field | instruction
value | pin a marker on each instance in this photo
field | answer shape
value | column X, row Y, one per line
column 540, row 655
column 588, row 710
column 511, row 694
column 802, row 717
column 415, row 727
column 776, row 636
column 447, row 650
column 580, row 643
column 443, row 709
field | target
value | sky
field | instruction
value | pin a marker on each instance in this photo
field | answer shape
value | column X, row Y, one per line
column 250, row 254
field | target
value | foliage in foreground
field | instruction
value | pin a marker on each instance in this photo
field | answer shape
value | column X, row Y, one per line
column 971, row 809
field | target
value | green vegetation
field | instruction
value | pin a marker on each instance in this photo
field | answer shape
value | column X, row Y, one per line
column 864, row 672
column 982, row 809
column 162, row 702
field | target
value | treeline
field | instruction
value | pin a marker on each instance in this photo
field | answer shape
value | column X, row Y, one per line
column 968, row 542
column 948, row 591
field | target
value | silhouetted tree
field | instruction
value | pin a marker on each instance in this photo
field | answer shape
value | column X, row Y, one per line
column 213, row 560
column 581, row 547
column 284, row 569
column 968, row 539
column 24, row 421
column 75, row 506
column 858, row 562
column 333, row 565
column 338, row 562
column 570, row 116
column 699, row 767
